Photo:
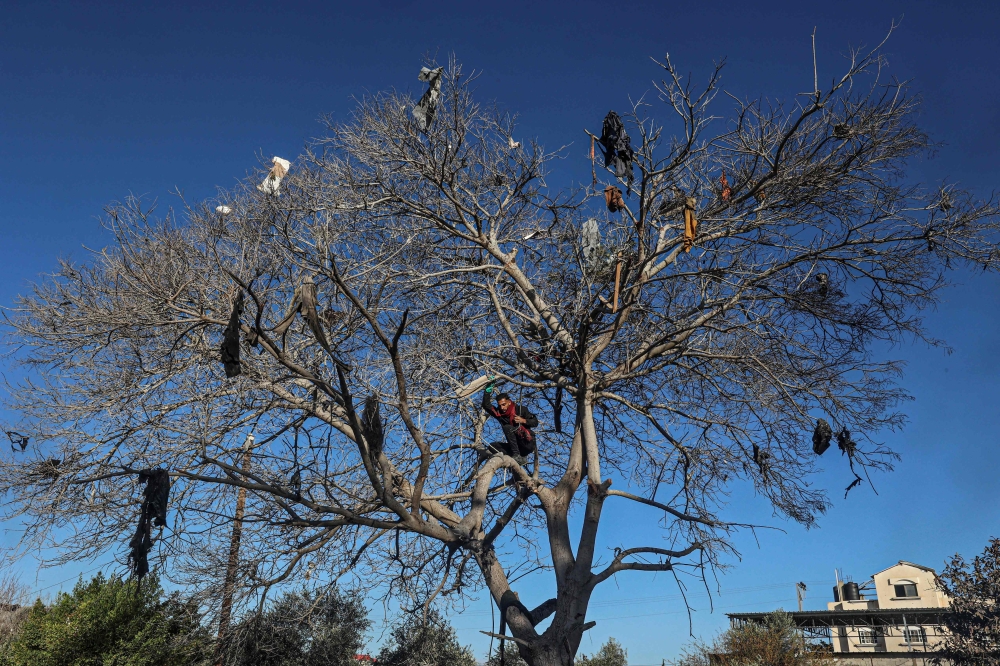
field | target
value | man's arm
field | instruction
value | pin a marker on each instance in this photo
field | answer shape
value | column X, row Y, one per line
column 487, row 406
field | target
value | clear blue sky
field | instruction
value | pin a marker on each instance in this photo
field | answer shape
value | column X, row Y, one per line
column 100, row 100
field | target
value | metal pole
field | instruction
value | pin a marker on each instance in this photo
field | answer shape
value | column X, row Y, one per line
column 906, row 635
column 232, row 566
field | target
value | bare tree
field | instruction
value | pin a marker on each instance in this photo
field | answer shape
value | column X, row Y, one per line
column 680, row 360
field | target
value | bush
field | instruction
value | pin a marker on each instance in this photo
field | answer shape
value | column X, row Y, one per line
column 300, row 629
column 416, row 643
column 111, row 622
column 611, row 654
column 776, row 642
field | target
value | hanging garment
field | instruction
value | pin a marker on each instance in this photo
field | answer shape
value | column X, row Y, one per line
column 557, row 410
column 593, row 168
column 727, row 192
column 690, row 223
column 371, row 425
column 613, row 198
column 821, row 437
column 762, row 458
column 618, row 153
column 822, row 284
column 230, row 350
column 519, row 435
column 845, row 443
column 16, row 440
column 278, row 171
column 466, row 361
column 304, row 302
column 590, row 243
column 425, row 109
column 153, row 512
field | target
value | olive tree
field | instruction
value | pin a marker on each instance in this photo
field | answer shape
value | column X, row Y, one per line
column 687, row 346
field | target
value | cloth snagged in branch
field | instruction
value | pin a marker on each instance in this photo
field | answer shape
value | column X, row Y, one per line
column 613, row 198
column 821, row 437
column 557, row 409
column 16, row 440
column 845, row 443
column 593, row 168
column 618, row 153
column 304, row 302
column 371, row 426
column 154, row 512
column 230, row 350
column 823, row 284
column 425, row 109
column 690, row 223
column 727, row 192
column 590, row 242
column 762, row 458
column 223, row 210
column 272, row 182
column 466, row 361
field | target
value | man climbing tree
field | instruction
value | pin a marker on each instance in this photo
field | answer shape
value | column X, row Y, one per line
column 683, row 373
column 516, row 422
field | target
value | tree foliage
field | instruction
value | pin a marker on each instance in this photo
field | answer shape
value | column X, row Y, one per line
column 679, row 364
column 974, row 621
column 419, row 642
column 611, row 654
column 773, row 642
column 111, row 622
column 302, row 628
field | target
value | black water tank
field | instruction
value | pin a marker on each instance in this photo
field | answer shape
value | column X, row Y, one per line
column 836, row 593
column 851, row 592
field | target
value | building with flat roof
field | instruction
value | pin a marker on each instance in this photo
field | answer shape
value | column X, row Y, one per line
column 894, row 618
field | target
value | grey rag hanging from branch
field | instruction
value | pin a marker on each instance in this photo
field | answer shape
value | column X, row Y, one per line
column 154, row 512
column 425, row 109
column 590, row 244
column 230, row 351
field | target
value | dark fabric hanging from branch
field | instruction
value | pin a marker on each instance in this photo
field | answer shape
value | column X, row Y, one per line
column 17, row 440
column 230, row 351
column 821, row 437
column 845, row 443
column 371, row 424
column 154, row 512
column 618, row 153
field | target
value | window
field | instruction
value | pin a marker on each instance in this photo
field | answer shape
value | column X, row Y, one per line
column 915, row 635
column 867, row 636
column 906, row 590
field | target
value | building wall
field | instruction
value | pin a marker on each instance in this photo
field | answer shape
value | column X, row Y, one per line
column 904, row 572
column 892, row 640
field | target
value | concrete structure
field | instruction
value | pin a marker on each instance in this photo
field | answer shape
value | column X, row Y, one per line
column 894, row 618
